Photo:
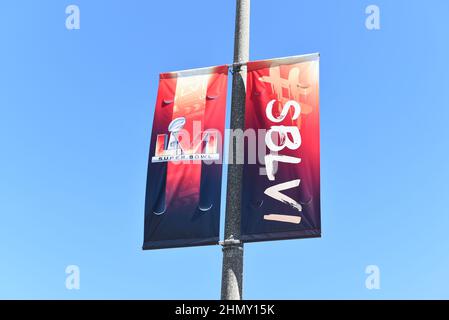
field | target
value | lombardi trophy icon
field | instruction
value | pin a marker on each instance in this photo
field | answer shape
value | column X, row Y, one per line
column 173, row 143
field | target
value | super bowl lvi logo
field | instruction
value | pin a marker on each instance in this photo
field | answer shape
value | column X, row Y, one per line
column 180, row 145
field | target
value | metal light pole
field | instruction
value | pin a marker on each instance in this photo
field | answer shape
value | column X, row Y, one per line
column 232, row 273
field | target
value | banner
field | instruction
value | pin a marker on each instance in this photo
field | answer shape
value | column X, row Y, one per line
column 281, row 188
column 182, row 205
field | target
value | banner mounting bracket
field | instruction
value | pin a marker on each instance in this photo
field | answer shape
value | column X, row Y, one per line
column 230, row 242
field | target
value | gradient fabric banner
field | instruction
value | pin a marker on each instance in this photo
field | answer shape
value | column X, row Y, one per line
column 184, row 172
column 281, row 191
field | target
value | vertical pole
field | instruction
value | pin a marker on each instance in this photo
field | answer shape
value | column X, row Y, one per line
column 232, row 272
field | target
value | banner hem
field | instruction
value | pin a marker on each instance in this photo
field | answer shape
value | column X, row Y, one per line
column 259, row 64
column 314, row 233
column 194, row 72
column 179, row 243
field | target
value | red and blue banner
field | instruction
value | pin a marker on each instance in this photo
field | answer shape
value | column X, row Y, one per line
column 182, row 205
column 281, row 191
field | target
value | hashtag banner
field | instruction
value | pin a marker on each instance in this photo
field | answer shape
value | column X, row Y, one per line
column 281, row 188
column 182, row 206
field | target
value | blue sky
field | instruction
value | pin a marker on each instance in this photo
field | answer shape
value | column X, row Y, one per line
column 76, row 109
